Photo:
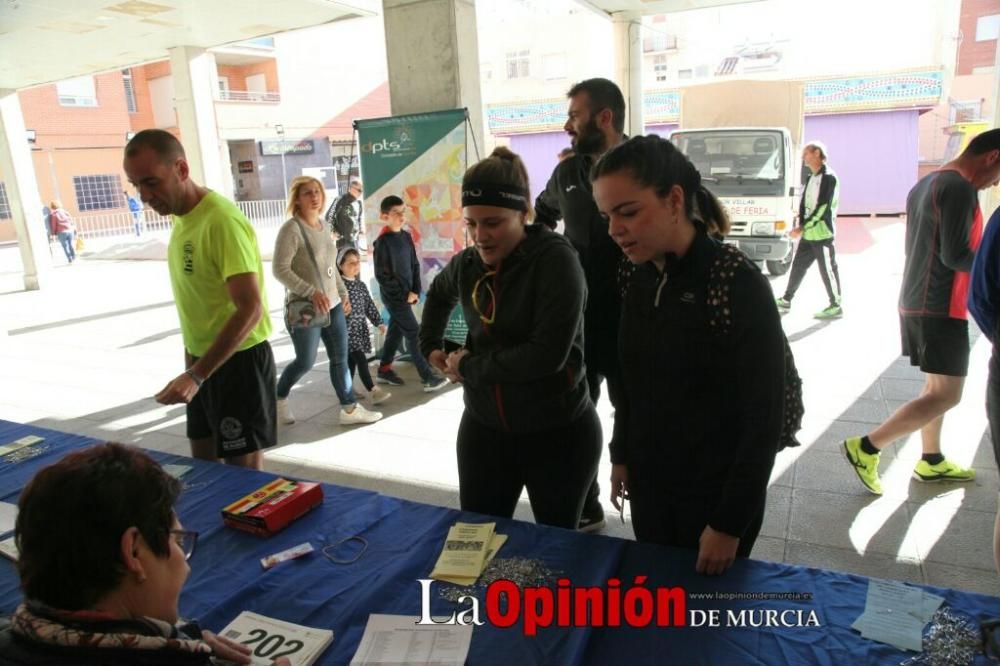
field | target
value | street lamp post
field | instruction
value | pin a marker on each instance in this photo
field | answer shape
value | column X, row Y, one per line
column 280, row 129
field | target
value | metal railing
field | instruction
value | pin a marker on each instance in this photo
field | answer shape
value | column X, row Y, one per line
column 263, row 215
column 119, row 223
column 249, row 96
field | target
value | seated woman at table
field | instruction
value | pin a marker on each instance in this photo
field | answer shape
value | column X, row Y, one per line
column 528, row 419
column 702, row 358
column 102, row 561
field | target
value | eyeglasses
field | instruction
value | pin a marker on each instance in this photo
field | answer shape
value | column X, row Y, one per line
column 187, row 540
column 488, row 314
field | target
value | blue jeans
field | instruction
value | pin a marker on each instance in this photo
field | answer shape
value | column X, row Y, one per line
column 137, row 217
column 403, row 324
column 66, row 240
column 306, row 344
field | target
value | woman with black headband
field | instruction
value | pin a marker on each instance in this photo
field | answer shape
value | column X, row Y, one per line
column 702, row 358
column 528, row 420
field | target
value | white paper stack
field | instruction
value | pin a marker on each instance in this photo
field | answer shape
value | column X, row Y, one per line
column 269, row 639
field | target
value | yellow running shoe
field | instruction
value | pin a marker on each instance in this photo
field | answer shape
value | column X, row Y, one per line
column 945, row 470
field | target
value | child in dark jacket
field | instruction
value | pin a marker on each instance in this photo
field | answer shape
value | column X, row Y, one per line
column 398, row 273
column 359, row 343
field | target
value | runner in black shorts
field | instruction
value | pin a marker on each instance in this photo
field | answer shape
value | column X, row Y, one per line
column 937, row 345
column 943, row 229
column 231, row 406
column 217, row 278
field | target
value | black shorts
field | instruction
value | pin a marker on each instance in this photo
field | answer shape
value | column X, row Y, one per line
column 236, row 405
column 939, row 345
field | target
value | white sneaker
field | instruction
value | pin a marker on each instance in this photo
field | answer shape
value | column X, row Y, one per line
column 285, row 416
column 379, row 395
column 358, row 415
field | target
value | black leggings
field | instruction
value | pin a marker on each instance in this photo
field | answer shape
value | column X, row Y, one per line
column 556, row 467
column 993, row 402
column 359, row 360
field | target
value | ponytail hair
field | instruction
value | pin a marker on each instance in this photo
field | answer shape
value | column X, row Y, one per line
column 655, row 162
column 713, row 215
column 503, row 167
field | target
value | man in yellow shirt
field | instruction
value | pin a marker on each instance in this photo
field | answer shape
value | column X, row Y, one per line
column 217, row 278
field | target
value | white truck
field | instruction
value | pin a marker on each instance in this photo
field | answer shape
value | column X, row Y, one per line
column 744, row 138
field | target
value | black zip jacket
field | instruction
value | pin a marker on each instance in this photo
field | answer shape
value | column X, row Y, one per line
column 396, row 266
column 524, row 372
column 569, row 196
column 702, row 411
column 344, row 218
column 825, row 212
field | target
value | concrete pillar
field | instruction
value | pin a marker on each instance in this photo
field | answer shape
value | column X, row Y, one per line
column 628, row 67
column 433, row 57
column 195, row 82
column 22, row 192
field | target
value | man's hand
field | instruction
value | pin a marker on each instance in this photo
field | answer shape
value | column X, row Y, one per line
column 619, row 486
column 181, row 389
column 437, row 359
column 716, row 551
column 795, row 232
column 412, row 298
column 320, row 300
column 451, row 370
column 382, row 328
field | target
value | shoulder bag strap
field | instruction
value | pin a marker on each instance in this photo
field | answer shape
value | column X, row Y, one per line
column 312, row 256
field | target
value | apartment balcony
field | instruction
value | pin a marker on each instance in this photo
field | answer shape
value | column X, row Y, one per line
column 251, row 96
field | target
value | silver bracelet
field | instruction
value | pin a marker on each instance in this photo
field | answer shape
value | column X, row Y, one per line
column 194, row 377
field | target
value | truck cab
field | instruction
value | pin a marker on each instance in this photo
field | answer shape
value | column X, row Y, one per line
column 753, row 172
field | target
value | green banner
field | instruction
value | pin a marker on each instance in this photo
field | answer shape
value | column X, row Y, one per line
column 421, row 159
column 389, row 145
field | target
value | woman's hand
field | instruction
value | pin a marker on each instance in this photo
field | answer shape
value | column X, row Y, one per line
column 320, row 300
column 619, row 486
column 437, row 359
column 716, row 551
column 451, row 370
column 382, row 328
column 225, row 649
column 347, row 306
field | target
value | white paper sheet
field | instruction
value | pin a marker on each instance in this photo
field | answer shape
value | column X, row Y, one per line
column 398, row 639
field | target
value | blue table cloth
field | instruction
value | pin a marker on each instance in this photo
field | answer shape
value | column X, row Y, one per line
column 404, row 540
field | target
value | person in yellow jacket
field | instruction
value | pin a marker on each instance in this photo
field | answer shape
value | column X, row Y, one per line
column 817, row 213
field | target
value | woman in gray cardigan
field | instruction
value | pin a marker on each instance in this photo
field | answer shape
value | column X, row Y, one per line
column 294, row 268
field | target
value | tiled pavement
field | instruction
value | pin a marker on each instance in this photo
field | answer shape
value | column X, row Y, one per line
column 85, row 355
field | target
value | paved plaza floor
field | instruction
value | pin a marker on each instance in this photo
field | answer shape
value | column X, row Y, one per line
column 86, row 354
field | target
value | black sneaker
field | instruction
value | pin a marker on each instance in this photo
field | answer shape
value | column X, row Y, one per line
column 434, row 383
column 389, row 377
column 592, row 521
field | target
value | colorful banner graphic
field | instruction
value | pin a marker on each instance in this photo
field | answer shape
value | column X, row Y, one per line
column 420, row 158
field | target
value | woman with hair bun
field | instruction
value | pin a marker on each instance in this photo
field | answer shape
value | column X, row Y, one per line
column 702, row 358
column 528, row 420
